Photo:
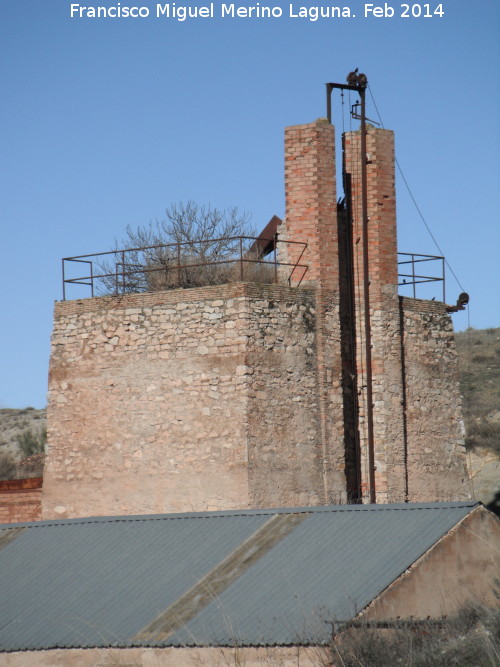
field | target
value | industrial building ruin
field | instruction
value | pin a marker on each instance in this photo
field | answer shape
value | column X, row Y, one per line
column 250, row 452
column 322, row 386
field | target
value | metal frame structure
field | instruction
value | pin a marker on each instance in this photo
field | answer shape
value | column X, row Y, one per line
column 125, row 269
column 358, row 83
column 415, row 279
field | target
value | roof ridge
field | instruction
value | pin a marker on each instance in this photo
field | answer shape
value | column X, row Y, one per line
column 394, row 507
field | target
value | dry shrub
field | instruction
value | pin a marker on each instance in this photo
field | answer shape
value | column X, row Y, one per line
column 483, row 433
column 469, row 638
column 7, row 466
column 192, row 247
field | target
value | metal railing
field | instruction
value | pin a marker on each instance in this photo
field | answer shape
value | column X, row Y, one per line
column 412, row 279
column 182, row 265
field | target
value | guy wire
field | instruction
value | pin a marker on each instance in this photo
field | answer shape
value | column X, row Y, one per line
column 415, row 202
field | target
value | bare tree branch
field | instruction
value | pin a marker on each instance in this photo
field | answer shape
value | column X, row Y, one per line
column 169, row 253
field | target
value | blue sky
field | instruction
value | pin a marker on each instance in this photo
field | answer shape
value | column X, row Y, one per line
column 104, row 122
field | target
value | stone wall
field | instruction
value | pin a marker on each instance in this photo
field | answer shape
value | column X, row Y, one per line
column 388, row 410
column 418, row 429
column 229, row 397
column 185, row 400
column 437, row 466
column 282, row 409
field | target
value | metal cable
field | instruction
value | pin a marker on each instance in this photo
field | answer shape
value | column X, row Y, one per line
column 415, row 202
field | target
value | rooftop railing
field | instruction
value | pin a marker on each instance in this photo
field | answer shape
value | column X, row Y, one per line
column 218, row 261
column 184, row 265
column 413, row 273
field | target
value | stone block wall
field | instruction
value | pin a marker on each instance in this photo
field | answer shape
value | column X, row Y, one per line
column 418, row 429
column 436, row 458
column 282, row 367
column 184, row 400
column 227, row 397
column 388, row 409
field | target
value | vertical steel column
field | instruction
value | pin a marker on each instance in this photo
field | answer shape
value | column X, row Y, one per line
column 366, row 296
column 443, row 269
column 179, row 264
column 275, row 258
column 358, row 84
column 123, row 272
column 64, row 281
column 329, row 88
column 241, row 259
column 413, row 275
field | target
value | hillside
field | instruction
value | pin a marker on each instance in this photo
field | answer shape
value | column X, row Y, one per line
column 16, row 427
column 13, row 423
column 479, row 355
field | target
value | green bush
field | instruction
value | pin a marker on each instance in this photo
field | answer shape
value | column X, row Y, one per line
column 32, row 443
column 7, row 466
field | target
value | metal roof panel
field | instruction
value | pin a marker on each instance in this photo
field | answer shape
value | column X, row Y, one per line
column 252, row 577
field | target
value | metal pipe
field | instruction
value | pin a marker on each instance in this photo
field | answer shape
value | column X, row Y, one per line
column 413, row 275
column 366, row 296
column 241, row 259
column 275, row 258
column 64, row 282
column 329, row 88
column 443, row 268
column 179, row 264
column 123, row 271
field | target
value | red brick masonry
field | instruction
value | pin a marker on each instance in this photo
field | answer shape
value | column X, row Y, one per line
column 21, row 500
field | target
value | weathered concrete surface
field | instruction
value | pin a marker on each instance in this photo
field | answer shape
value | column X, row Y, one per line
column 462, row 567
column 171, row 657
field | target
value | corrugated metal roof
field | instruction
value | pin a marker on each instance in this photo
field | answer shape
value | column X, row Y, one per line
column 254, row 577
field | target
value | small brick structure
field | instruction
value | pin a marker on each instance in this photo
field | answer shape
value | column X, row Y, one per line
column 21, row 500
column 245, row 395
column 311, row 200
